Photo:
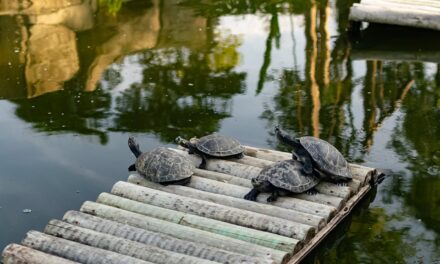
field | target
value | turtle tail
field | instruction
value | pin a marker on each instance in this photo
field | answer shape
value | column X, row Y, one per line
column 134, row 146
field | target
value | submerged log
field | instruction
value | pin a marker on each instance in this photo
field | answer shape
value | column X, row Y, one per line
column 156, row 239
column 15, row 253
column 119, row 245
column 75, row 251
column 237, row 202
column 188, row 233
column 214, row 211
column 234, row 180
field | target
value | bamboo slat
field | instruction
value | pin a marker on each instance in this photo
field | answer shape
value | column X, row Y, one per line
column 188, row 233
column 156, row 239
column 226, row 178
column 290, row 203
column 119, row 245
column 14, row 253
column 234, row 231
column 75, row 251
column 214, row 211
column 294, row 216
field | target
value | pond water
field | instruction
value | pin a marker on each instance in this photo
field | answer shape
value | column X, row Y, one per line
column 79, row 77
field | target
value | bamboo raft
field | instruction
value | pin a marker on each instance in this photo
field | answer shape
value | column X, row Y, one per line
column 411, row 13
column 206, row 221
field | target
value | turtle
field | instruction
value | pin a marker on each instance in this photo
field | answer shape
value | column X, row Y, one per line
column 161, row 165
column 282, row 178
column 315, row 153
column 213, row 146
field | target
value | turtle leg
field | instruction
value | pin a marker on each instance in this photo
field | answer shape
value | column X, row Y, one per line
column 304, row 157
column 252, row 195
column 178, row 182
column 203, row 164
column 341, row 182
column 274, row 196
column 312, row 191
column 132, row 167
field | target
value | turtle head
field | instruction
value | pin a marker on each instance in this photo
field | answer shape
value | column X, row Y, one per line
column 256, row 182
column 134, row 146
column 181, row 141
column 285, row 138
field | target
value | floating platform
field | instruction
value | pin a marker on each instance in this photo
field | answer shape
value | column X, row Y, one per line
column 206, row 221
column 411, row 13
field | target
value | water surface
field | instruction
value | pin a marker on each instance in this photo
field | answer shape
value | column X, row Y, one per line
column 78, row 79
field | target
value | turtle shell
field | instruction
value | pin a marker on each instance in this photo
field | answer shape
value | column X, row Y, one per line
column 164, row 165
column 217, row 145
column 326, row 157
column 288, row 175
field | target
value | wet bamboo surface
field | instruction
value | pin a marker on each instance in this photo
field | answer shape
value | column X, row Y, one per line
column 206, row 221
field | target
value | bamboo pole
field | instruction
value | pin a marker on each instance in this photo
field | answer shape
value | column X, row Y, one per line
column 222, row 241
column 248, row 160
column 237, row 202
column 75, row 251
column 119, row 245
column 214, row 226
column 421, row 6
column 14, row 254
column 156, row 239
column 361, row 173
column 266, row 154
column 401, row 16
column 214, row 211
column 290, row 203
column 223, row 166
column 249, row 172
column 319, row 198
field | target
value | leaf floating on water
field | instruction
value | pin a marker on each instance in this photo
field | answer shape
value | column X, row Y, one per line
column 27, row 211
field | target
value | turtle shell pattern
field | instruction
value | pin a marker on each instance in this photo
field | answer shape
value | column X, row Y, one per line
column 288, row 175
column 164, row 165
column 219, row 146
column 327, row 158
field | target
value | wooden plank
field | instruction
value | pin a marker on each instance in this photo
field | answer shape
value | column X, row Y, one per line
column 332, row 201
column 119, row 245
column 222, row 228
column 214, row 211
column 314, row 242
column 237, row 202
column 290, row 203
column 75, row 251
column 14, row 254
column 395, row 16
column 156, row 239
column 188, row 233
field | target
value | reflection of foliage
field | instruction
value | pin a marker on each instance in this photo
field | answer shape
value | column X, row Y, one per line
column 65, row 111
column 224, row 56
column 214, row 8
column 372, row 240
column 422, row 151
column 179, row 95
column 112, row 6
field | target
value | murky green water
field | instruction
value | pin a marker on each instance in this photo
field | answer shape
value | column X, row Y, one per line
column 76, row 81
